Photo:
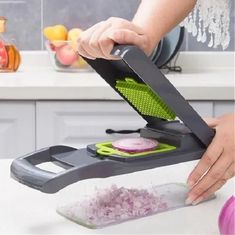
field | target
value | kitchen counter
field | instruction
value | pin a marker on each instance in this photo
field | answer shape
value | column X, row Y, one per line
column 205, row 76
column 27, row 211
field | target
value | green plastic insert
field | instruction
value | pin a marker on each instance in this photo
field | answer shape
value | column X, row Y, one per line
column 107, row 149
column 144, row 99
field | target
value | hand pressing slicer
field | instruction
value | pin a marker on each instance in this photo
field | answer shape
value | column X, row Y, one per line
column 155, row 99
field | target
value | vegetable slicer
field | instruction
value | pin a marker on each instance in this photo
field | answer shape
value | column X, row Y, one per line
column 155, row 99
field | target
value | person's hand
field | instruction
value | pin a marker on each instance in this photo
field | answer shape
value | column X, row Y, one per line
column 217, row 164
column 98, row 41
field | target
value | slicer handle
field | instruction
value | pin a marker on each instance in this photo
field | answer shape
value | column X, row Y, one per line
column 25, row 171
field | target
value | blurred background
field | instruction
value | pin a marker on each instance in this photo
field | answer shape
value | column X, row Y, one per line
column 27, row 18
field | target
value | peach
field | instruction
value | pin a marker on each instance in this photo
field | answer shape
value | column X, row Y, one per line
column 66, row 55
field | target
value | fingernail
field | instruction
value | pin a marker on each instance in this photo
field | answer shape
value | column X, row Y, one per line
column 188, row 201
column 194, row 203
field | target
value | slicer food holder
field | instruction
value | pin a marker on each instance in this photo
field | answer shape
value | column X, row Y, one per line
column 188, row 139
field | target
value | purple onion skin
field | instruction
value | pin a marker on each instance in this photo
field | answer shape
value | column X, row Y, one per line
column 227, row 217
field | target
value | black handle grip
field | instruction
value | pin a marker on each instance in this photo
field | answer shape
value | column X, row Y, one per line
column 111, row 131
column 25, row 171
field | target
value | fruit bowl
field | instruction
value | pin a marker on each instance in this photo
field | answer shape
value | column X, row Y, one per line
column 64, row 58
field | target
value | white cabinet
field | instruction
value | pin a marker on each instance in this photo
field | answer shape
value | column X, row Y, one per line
column 80, row 123
column 223, row 107
column 17, row 128
column 203, row 108
column 213, row 108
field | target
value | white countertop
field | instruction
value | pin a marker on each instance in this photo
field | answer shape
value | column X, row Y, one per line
column 27, row 211
column 205, row 76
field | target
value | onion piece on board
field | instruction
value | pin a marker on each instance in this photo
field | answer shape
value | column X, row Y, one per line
column 135, row 145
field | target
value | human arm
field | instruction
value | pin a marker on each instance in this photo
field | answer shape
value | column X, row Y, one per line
column 158, row 17
column 153, row 19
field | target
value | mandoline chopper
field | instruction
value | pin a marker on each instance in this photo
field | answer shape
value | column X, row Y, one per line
column 155, row 99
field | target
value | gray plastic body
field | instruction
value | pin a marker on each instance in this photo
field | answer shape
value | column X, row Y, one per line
column 81, row 164
column 190, row 138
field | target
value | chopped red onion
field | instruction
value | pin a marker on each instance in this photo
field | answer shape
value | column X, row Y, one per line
column 115, row 204
column 135, row 145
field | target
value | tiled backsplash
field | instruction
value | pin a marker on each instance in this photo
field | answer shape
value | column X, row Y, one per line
column 26, row 18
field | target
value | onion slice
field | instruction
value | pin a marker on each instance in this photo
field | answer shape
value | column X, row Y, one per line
column 135, row 145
